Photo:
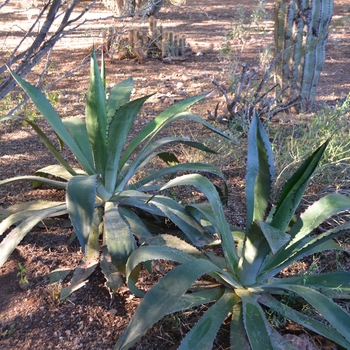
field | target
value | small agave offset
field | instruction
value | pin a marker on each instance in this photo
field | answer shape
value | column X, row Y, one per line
column 250, row 263
column 103, row 196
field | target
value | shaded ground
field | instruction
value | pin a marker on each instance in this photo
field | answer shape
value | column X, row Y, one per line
column 90, row 318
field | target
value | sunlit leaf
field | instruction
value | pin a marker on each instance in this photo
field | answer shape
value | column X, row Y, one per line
column 81, row 196
column 96, row 117
column 203, row 334
column 12, row 239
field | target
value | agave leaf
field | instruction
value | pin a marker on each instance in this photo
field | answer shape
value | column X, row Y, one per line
column 103, row 71
column 96, row 117
column 58, row 275
column 304, row 320
column 260, row 172
column 204, row 214
column 119, row 95
column 56, row 123
column 79, row 279
column 91, row 259
column 257, row 328
column 205, row 186
column 184, row 220
column 276, row 238
column 302, row 248
column 152, row 129
column 81, row 195
column 118, row 131
column 332, row 312
column 113, row 277
column 294, row 189
column 149, row 253
column 58, row 171
column 317, row 213
column 118, row 237
column 203, row 334
column 259, row 176
column 199, row 146
column 77, row 129
column 217, row 260
column 165, row 207
column 147, row 153
column 254, row 252
column 142, row 204
column 22, row 211
column 238, row 335
column 319, row 247
column 202, row 210
column 190, row 300
column 136, row 225
column 158, row 123
column 160, row 298
column 174, row 169
column 331, row 283
column 169, row 253
column 174, row 242
column 50, row 182
column 12, row 239
column 46, row 141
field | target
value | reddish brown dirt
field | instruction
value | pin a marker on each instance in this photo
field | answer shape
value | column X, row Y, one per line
column 90, row 319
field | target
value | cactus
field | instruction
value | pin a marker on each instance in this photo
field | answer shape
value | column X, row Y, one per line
column 164, row 44
column 301, row 33
column 139, row 44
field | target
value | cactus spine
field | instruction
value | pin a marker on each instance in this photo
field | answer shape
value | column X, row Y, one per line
column 301, row 33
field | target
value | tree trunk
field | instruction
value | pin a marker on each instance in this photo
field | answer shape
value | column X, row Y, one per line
column 301, row 33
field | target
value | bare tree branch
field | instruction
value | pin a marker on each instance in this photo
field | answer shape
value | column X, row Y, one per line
column 4, row 4
column 41, row 45
column 84, row 63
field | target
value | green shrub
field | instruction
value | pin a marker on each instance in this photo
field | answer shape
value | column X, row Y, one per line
column 251, row 289
column 292, row 144
column 110, row 195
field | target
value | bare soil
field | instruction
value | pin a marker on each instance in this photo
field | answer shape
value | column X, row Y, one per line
column 32, row 317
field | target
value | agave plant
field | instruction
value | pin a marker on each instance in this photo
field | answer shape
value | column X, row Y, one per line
column 248, row 271
column 103, row 196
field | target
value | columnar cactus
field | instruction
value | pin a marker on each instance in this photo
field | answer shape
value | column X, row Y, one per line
column 301, row 33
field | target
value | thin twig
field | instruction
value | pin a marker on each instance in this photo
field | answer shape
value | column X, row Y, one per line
column 222, row 90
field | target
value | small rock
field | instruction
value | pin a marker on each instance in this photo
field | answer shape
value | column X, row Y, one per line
column 112, row 311
column 186, row 78
column 180, row 85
